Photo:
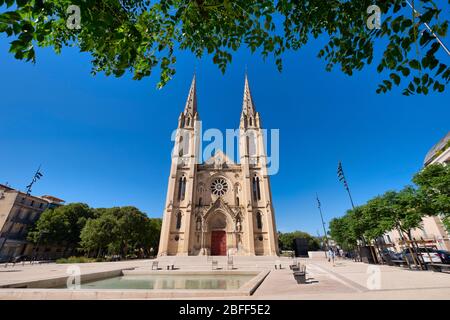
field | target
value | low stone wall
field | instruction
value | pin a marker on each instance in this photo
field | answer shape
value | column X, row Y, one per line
column 317, row 254
column 35, row 289
column 59, row 282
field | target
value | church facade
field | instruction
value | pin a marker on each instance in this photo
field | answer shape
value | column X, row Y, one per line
column 219, row 207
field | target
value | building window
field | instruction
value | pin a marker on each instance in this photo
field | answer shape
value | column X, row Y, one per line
column 181, row 188
column 200, row 201
column 32, row 203
column 178, row 225
column 237, row 201
column 180, row 147
column 259, row 224
column 219, row 187
column 40, row 205
column 388, row 239
column 256, row 188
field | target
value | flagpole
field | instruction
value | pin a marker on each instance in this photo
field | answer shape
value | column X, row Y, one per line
column 321, row 218
column 341, row 177
column 36, row 177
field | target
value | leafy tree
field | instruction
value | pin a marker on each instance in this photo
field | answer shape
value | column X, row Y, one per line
column 286, row 240
column 446, row 222
column 393, row 210
column 61, row 225
column 120, row 230
column 399, row 211
column 139, row 36
column 98, row 233
column 434, row 189
column 341, row 233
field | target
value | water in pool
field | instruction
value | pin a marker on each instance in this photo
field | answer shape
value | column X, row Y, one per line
column 211, row 282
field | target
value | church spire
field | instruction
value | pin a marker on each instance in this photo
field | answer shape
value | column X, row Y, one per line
column 191, row 102
column 248, row 107
column 249, row 116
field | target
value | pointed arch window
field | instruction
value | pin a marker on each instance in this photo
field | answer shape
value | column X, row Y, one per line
column 181, row 188
column 182, row 122
column 180, row 147
column 256, row 188
column 259, row 223
column 178, row 224
column 237, row 201
column 251, row 139
column 200, row 201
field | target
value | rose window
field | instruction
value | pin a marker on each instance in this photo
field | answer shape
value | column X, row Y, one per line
column 219, row 187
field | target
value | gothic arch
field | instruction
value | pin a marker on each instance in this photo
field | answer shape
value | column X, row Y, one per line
column 259, row 220
column 219, row 207
column 178, row 220
column 256, row 187
column 181, row 188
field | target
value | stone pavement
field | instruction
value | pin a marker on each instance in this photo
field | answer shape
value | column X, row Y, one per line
column 24, row 273
column 345, row 280
column 355, row 280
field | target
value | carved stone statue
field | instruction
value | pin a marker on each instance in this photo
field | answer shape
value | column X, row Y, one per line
column 218, row 163
column 238, row 225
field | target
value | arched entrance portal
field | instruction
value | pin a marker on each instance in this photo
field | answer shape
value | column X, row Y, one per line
column 218, row 243
column 217, row 225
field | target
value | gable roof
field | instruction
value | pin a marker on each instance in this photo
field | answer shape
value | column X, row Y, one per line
column 220, row 157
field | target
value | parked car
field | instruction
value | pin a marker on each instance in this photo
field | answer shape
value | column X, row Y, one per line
column 388, row 255
column 444, row 255
column 425, row 254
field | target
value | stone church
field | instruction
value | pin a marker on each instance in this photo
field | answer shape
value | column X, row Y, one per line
column 219, row 207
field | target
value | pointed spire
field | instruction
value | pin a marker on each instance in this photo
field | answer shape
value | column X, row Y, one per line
column 248, row 107
column 191, row 102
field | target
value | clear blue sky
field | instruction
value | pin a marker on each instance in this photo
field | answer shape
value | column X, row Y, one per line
column 106, row 141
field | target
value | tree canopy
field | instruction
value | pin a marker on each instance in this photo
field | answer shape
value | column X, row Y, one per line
column 286, row 240
column 434, row 189
column 122, row 231
column 61, row 225
column 397, row 210
column 119, row 230
column 140, row 36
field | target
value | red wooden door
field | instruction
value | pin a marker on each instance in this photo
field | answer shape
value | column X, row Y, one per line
column 218, row 243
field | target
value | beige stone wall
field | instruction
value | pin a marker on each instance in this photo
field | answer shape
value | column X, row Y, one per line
column 18, row 211
column 432, row 230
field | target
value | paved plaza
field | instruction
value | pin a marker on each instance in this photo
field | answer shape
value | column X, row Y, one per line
column 345, row 280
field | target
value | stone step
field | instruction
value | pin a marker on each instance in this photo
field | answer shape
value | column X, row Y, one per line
column 239, row 262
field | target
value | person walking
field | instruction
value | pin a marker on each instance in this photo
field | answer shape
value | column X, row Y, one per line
column 331, row 256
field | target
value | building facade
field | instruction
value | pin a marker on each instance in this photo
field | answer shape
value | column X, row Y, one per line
column 433, row 231
column 18, row 212
column 219, row 207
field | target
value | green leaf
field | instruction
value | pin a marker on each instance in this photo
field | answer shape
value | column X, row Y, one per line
column 395, row 78
column 414, row 64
